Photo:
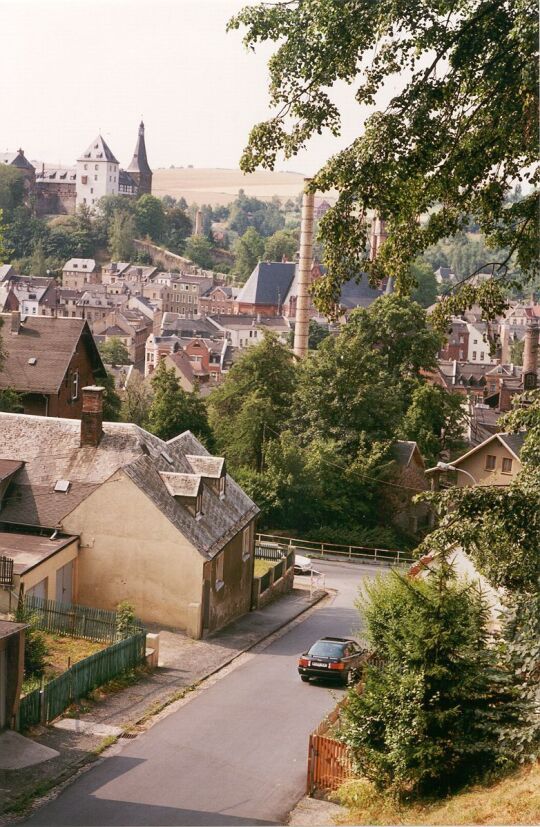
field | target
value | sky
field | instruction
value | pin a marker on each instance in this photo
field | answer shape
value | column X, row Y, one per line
column 77, row 68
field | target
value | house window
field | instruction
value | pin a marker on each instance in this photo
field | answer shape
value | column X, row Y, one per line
column 198, row 507
column 491, row 462
column 219, row 580
column 96, row 166
column 507, row 465
column 474, row 354
column 75, row 385
column 222, row 486
column 482, row 354
column 246, row 543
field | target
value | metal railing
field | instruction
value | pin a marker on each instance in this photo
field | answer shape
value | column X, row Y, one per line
column 362, row 554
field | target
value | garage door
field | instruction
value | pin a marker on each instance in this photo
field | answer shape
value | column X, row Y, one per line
column 39, row 590
column 64, row 583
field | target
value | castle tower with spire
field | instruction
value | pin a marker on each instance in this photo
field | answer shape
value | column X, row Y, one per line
column 139, row 169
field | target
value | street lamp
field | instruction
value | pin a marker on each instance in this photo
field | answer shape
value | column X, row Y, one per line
column 447, row 466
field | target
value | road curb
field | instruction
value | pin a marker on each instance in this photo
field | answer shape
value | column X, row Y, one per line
column 58, row 782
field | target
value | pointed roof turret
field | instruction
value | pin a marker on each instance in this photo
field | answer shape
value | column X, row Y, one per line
column 98, row 151
column 139, row 162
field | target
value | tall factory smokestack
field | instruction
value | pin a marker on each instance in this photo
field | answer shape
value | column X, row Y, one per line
column 530, row 356
column 198, row 222
column 301, row 327
column 378, row 236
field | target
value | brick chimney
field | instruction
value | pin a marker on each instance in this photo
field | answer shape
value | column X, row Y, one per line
column 92, row 416
column 530, row 356
column 15, row 322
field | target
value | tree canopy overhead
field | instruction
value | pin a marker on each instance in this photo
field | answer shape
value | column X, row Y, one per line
column 458, row 133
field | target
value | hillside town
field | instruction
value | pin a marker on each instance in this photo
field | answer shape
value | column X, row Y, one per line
column 270, row 463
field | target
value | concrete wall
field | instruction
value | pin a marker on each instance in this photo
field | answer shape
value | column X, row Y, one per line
column 130, row 551
column 476, row 465
column 282, row 586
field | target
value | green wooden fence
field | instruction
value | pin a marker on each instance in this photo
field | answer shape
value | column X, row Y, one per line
column 46, row 704
column 74, row 620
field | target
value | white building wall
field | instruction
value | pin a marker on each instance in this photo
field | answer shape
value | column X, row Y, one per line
column 479, row 346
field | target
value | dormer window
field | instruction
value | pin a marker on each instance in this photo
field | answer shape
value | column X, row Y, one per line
column 187, row 489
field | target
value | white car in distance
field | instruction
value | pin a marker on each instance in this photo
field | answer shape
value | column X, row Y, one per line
column 302, row 565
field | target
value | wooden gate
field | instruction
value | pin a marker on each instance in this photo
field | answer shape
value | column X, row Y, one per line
column 329, row 763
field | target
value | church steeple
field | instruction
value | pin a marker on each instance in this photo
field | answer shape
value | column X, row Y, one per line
column 139, row 168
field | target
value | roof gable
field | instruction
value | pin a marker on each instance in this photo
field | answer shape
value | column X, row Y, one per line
column 98, row 150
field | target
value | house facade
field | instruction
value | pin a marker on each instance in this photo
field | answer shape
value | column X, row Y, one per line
column 47, row 361
column 160, row 524
column 496, row 461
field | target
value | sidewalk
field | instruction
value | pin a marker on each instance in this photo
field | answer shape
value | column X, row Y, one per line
column 183, row 663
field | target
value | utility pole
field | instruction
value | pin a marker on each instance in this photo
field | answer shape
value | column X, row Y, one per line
column 301, row 328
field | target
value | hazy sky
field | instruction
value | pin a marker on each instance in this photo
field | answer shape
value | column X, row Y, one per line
column 73, row 68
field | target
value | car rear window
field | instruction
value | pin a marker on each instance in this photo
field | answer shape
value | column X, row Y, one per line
column 326, row 649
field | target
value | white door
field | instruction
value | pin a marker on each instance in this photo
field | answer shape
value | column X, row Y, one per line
column 39, row 590
column 64, row 583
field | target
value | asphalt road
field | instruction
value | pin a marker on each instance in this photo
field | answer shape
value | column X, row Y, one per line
column 235, row 754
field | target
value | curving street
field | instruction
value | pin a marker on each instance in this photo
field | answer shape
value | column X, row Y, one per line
column 236, row 753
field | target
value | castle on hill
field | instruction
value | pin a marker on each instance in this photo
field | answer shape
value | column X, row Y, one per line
column 60, row 190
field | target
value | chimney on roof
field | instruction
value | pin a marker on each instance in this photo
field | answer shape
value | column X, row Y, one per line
column 15, row 322
column 92, row 416
column 530, row 356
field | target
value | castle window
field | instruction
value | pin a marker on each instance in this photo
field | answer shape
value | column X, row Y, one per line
column 96, row 166
column 95, row 177
column 86, row 166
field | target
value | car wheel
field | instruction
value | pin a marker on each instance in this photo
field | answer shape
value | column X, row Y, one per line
column 347, row 678
column 304, row 678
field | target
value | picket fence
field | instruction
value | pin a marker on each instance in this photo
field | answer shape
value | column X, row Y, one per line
column 76, row 621
column 43, row 705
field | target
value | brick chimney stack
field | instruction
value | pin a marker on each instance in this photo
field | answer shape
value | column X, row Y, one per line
column 305, row 263
column 530, row 356
column 15, row 322
column 92, row 416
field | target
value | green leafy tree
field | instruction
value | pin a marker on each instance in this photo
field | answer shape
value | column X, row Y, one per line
column 426, row 290
column 435, row 420
column 136, row 400
column 38, row 263
column 199, row 250
column 282, row 244
column 121, row 235
column 249, row 250
column 361, row 381
column 149, row 217
column 173, row 410
column 114, row 352
column 256, row 393
column 178, row 227
column 499, row 529
column 465, row 73
column 35, row 644
column 516, row 351
column 111, row 400
column 11, row 189
column 436, row 698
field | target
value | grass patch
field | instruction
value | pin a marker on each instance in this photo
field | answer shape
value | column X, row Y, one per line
column 514, row 799
column 62, row 651
column 262, row 566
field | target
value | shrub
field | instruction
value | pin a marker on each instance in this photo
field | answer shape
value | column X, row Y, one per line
column 125, row 620
column 434, row 707
column 35, row 646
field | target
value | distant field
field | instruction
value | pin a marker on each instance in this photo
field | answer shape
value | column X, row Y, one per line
column 220, row 186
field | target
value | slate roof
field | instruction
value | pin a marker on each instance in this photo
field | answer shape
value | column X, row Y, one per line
column 50, row 449
column 139, row 162
column 81, row 265
column 98, row 151
column 181, row 485
column 404, row 451
column 51, row 341
column 514, row 442
column 206, row 466
column 269, row 283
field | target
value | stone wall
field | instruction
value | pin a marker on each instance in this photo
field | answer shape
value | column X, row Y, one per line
column 171, row 261
column 282, row 586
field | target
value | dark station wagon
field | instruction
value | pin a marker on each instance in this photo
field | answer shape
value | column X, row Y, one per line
column 332, row 658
